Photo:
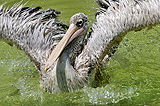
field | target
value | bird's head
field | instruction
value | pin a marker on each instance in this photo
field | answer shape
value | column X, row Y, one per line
column 79, row 24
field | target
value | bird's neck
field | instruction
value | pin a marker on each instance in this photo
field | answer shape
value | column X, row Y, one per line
column 63, row 77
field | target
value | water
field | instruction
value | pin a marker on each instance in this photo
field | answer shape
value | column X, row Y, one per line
column 134, row 68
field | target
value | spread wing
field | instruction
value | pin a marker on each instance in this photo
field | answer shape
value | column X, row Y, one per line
column 31, row 30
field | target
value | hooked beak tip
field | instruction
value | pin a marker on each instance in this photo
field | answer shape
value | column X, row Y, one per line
column 45, row 70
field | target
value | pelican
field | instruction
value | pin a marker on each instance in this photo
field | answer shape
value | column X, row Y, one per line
column 67, row 61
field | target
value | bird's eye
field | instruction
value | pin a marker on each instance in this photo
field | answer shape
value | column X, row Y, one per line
column 79, row 23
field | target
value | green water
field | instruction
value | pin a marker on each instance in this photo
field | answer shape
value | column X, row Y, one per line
column 134, row 68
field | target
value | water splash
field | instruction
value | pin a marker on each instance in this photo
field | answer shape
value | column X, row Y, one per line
column 27, row 91
column 110, row 94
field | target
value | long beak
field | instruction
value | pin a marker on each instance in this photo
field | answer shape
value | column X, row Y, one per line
column 72, row 33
